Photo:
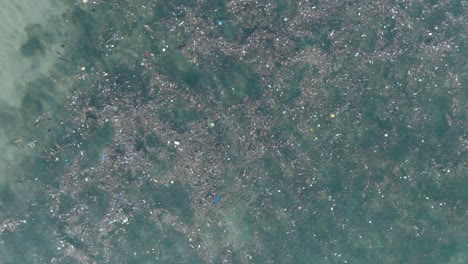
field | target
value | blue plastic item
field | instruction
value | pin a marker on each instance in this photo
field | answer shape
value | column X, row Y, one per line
column 216, row 200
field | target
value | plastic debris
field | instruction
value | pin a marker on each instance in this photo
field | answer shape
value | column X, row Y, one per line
column 217, row 198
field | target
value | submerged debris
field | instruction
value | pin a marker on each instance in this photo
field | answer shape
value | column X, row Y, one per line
column 308, row 125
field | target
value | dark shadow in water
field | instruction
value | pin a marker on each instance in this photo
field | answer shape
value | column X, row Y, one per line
column 34, row 45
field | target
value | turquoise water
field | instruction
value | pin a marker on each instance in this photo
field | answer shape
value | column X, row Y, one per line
column 292, row 132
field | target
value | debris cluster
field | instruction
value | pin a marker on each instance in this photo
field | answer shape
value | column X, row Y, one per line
column 242, row 129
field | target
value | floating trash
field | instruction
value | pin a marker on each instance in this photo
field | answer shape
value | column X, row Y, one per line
column 217, row 198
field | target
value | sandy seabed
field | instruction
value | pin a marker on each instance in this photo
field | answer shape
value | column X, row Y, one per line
column 31, row 34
